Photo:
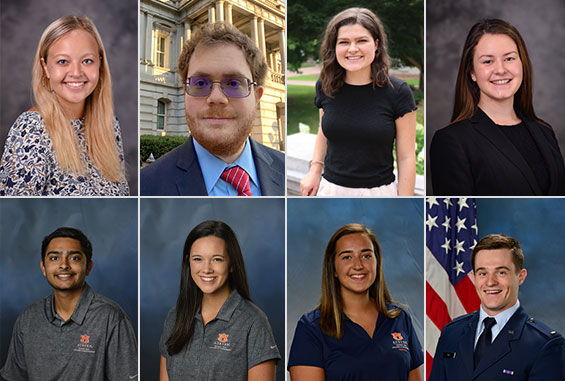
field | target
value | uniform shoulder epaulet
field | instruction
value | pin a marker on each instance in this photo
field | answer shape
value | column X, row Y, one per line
column 550, row 333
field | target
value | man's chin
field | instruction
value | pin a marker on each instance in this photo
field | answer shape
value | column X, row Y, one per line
column 221, row 148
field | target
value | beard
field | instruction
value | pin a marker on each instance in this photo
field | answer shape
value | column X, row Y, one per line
column 221, row 140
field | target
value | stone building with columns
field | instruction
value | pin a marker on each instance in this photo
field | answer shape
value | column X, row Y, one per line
column 164, row 27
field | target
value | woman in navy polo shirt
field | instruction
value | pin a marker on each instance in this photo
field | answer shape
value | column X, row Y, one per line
column 215, row 332
column 356, row 333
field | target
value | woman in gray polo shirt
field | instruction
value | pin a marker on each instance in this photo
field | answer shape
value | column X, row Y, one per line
column 215, row 332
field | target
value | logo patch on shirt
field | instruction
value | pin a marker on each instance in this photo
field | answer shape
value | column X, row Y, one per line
column 398, row 342
column 84, row 345
column 397, row 336
column 222, row 342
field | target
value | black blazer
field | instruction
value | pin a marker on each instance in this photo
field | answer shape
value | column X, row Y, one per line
column 178, row 172
column 474, row 158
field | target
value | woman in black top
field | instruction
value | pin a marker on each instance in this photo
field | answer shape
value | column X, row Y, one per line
column 496, row 145
column 363, row 112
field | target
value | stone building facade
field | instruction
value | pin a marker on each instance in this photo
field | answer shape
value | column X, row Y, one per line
column 164, row 27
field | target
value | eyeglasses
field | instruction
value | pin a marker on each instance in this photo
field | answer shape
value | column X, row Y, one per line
column 232, row 87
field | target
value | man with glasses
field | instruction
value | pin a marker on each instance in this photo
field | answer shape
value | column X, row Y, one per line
column 223, row 72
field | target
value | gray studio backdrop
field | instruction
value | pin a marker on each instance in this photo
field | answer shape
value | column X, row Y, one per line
column 259, row 225
column 109, row 224
column 538, row 225
column 398, row 226
column 541, row 25
column 21, row 24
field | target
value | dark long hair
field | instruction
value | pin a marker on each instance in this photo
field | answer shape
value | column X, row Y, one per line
column 467, row 92
column 190, row 296
column 331, row 304
column 332, row 74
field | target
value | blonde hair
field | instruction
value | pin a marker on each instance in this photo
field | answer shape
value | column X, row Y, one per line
column 99, row 109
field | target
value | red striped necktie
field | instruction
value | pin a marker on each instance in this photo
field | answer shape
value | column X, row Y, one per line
column 238, row 178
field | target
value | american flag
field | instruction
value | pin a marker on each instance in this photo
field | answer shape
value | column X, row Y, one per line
column 451, row 234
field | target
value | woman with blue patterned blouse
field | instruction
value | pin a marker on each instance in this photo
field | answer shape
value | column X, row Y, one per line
column 69, row 143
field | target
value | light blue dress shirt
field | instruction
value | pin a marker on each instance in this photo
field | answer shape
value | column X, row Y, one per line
column 212, row 168
column 501, row 320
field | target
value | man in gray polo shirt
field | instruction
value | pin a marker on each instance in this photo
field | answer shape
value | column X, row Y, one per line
column 74, row 333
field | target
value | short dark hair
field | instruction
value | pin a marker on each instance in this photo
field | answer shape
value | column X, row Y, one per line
column 500, row 241
column 66, row 232
column 222, row 33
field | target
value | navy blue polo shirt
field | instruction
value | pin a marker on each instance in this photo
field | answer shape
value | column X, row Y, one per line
column 392, row 352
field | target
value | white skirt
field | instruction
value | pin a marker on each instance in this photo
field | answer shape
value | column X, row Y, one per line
column 333, row 190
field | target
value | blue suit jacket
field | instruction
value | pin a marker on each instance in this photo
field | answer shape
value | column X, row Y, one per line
column 178, row 172
column 524, row 350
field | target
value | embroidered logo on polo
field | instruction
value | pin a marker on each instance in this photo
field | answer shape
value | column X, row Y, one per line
column 84, row 345
column 222, row 342
column 398, row 342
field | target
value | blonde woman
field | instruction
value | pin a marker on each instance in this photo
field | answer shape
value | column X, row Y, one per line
column 69, row 143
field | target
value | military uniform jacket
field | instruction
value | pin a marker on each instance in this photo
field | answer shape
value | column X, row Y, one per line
column 525, row 349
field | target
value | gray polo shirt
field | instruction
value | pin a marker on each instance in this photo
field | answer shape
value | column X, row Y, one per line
column 96, row 343
column 236, row 340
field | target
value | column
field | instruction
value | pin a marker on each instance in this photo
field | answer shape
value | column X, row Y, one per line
column 177, row 46
column 211, row 14
column 229, row 19
column 220, row 10
column 254, row 35
column 142, row 26
column 148, row 37
column 187, row 30
column 272, row 61
column 282, row 43
column 261, row 30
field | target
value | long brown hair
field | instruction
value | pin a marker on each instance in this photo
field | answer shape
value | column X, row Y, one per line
column 190, row 296
column 331, row 304
column 99, row 108
column 332, row 74
column 467, row 92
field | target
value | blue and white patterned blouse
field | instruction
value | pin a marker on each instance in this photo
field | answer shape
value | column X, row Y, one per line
column 29, row 166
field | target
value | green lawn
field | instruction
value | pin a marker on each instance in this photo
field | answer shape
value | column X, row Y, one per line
column 304, row 77
column 301, row 108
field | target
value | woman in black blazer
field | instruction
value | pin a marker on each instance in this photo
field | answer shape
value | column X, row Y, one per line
column 495, row 144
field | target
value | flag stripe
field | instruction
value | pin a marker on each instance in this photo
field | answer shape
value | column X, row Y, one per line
column 467, row 294
column 451, row 233
column 439, row 281
column 437, row 308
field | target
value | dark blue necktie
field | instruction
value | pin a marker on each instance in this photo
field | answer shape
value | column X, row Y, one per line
column 485, row 340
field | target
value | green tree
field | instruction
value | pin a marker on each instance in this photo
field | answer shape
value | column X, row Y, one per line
column 403, row 20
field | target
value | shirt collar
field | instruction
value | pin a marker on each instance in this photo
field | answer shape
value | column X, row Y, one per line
column 212, row 166
column 229, row 306
column 80, row 309
column 501, row 320
column 502, row 317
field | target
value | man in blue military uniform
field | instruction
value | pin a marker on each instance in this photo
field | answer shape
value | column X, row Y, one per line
column 500, row 341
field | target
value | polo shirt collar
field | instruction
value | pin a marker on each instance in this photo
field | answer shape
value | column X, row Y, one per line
column 212, row 167
column 229, row 306
column 80, row 310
